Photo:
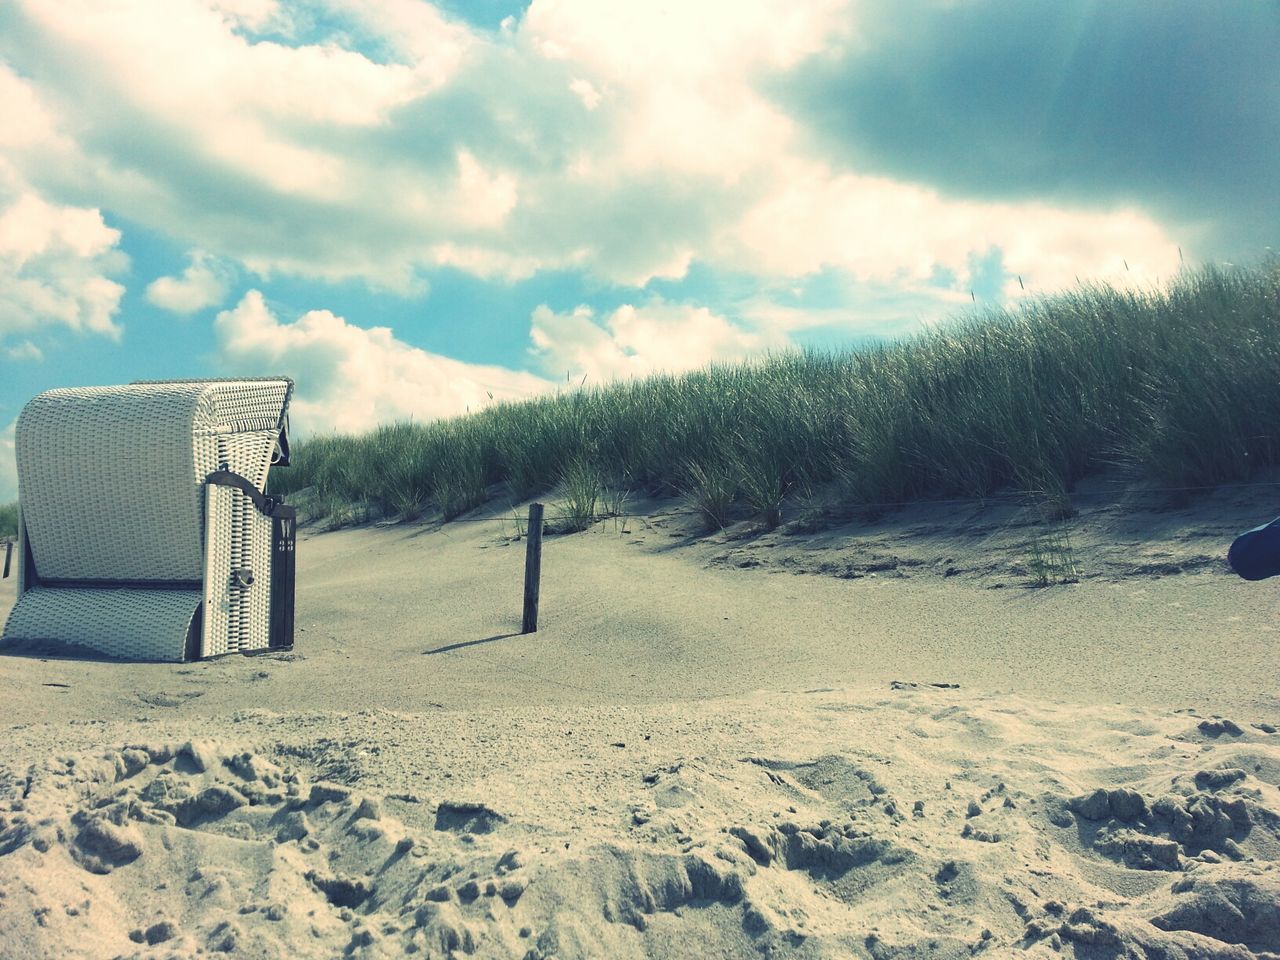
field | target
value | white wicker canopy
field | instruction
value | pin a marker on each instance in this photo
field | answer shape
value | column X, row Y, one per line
column 144, row 529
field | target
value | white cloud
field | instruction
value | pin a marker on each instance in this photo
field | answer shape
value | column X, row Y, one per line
column 203, row 284
column 417, row 33
column 26, row 120
column 861, row 308
column 619, row 139
column 253, row 14
column 484, row 198
column 55, row 263
column 586, row 91
column 881, row 230
column 350, row 378
column 683, row 78
column 26, row 350
column 637, row 341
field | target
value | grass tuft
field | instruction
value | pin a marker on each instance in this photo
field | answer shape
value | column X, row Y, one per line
column 580, row 490
column 710, row 489
column 1051, row 559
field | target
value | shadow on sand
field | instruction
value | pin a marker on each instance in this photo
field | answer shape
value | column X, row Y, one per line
column 471, row 643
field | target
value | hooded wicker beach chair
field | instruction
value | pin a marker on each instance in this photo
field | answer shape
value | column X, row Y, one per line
column 144, row 530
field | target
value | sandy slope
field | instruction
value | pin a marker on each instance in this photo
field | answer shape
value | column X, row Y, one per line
column 700, row 754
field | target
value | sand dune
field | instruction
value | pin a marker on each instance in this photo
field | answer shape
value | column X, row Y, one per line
column 726, row 746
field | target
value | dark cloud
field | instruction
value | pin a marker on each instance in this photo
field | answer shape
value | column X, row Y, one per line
column 1171, row 105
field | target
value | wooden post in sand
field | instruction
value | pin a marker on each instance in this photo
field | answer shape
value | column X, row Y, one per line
column 8, row 552
column 532, row 568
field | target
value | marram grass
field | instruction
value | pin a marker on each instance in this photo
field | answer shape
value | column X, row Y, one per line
column 1180, row 386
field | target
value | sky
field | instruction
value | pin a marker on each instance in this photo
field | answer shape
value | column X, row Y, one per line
column 418, row 209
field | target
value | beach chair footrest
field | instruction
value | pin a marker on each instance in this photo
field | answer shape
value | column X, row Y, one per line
column 128, row 623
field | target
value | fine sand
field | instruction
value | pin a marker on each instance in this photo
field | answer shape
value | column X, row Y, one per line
column 871, row 740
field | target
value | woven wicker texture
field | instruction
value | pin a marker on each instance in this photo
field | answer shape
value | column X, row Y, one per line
column 240, row 406
column 129, row 624
column 111, row 487
column 217, row 577
column 248, row 454
column 110, row 482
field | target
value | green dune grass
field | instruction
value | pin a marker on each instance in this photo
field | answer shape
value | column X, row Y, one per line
column 1180, row 386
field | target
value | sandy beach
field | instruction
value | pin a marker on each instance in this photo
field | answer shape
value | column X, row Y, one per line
column 873, row 740
column 896, row 378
